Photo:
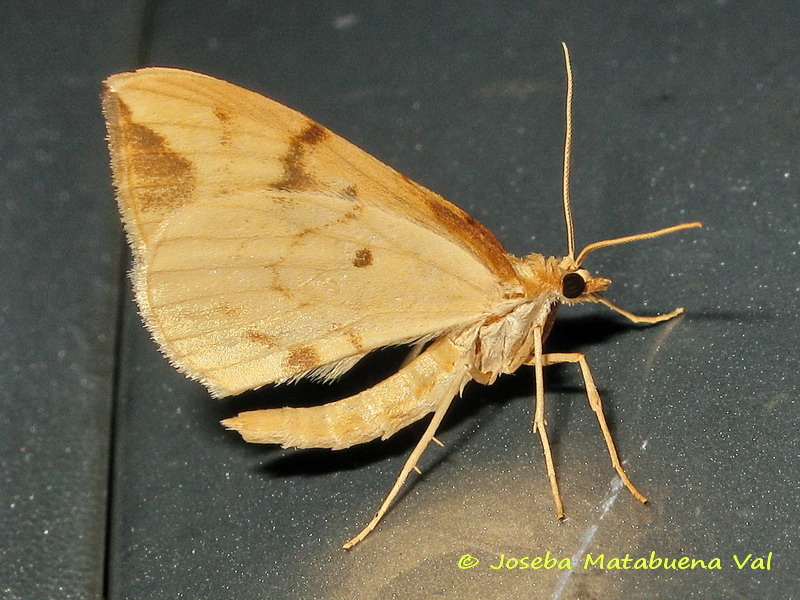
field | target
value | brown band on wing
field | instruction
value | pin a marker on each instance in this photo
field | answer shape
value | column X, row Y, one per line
column 224, row 119
column 154, row 178
column 295, row 176
column 467, row 230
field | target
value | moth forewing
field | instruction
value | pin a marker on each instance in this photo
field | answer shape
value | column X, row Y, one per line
column 267, row 249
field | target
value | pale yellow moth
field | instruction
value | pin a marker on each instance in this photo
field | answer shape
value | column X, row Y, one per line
column 267, row 249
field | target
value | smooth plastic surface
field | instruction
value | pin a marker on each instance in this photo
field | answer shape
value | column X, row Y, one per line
column 683, row 111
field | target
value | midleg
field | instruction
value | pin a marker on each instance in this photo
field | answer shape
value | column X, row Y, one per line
column 597, row 407
column 539, row 423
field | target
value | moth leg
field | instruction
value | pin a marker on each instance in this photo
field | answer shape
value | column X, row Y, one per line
column 638, row 318
column 411, row 464
column 539, row 423
column 597, row 407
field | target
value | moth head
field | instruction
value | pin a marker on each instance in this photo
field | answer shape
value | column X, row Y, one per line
column 578, row 285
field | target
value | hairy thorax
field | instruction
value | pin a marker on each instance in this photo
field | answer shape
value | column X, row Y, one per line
column 505, row 341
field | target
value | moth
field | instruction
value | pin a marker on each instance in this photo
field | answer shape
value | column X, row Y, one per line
column 267, row 249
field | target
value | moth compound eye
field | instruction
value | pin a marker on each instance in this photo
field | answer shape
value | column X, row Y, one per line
column 572, row 285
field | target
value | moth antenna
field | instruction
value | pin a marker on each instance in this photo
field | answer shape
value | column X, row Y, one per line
column 633, row 238
column 567, row 150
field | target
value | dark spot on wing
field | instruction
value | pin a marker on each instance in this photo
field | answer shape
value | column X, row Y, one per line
column 259, row 337
column 314, row 133
column 302, row 358
column 227, row 309
column 350, row 192
column 356, row 340
column 304, row 232
column 363, row 258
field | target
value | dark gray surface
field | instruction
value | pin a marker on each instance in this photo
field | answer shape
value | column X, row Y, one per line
column 684, row 111
column 59, row 281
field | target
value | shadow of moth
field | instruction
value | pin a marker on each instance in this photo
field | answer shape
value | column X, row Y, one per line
column 267, row 249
